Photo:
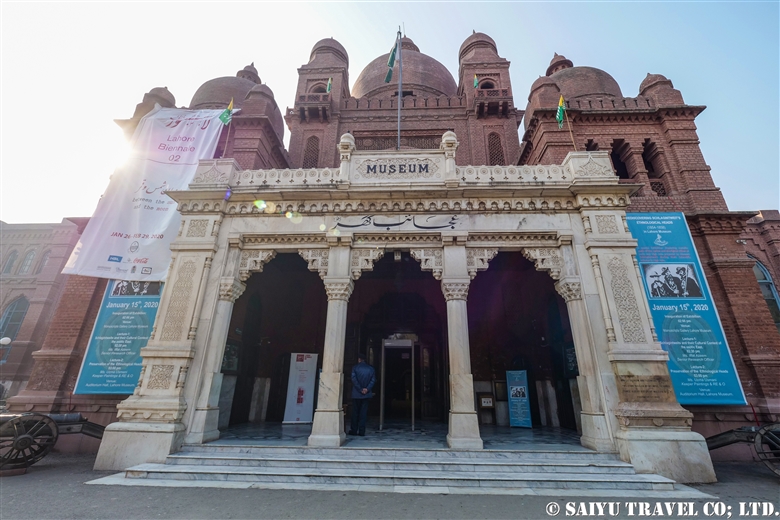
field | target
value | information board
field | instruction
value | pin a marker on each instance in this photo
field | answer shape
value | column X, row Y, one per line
column 112, row 363
column 519, row 405
column 300, row 389
column 684, row 314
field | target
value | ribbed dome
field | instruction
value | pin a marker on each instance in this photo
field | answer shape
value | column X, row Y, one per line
column 329, row 50
column 216, row 93
column 577, row 82
column 476, row 41
column 421, row 74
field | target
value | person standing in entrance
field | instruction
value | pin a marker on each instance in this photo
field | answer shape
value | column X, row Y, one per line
column 363, row 379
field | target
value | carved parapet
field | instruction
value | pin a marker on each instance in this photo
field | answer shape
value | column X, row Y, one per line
column 430, row 260
column 569, row 288
column 455, row 290
column 546, row 259
column 252, row 261
column 339, row 289
column 214, row 172
column 590, row 166
column 230, row 289
column 317, row 259
column 363, row 260
column 477, row 259
column 346, row 146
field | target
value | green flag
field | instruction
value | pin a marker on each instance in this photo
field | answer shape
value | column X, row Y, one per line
column 561, row 112
column 391, row 63
column 476, row 81
column 330, row 84
column 227, row 115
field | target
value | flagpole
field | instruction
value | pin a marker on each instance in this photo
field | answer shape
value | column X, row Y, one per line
column 566, row 114
column 227, row 139
column 400, row 81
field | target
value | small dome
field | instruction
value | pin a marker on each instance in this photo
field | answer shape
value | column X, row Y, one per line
column 163, row 95
column 275, row 116
column 577, row 82
column 217, row 93
column 653, row 79
column 543, row 80
column 249, row 72
column 327, row 48
column 558, row 63
column 475, row 41
column 421, row 72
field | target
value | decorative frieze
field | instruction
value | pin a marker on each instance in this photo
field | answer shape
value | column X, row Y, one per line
column 606, row 225
column 160, row 377
column 477, row 259
column 455, row 290
column 545, row 259
column 363, row 260
column 317, row 259
column 430, row 260
column 625, row 301
column 339, row 290
column 252, row 261
column 197, row 228
column 176, row 314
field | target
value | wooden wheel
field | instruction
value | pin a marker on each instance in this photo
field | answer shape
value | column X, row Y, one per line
column 767, row 445
column 26, row 439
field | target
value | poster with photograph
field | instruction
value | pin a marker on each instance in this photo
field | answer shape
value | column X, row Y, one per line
column 683, row 312
column 519, row 404
column 112, row 363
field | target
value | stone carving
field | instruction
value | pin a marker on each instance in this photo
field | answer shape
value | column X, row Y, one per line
column 569, row 290
column 593, row 169
column 402, row 168
column 606, row 225
column 625, row 300
column 252, row 261
column 176, row 313
column 455, row 290
column 230, row 289
column 430, row 260
column 477, row 259
column 339, row 290
column 160, row 377
column 212, row 176
column 363, row 260
column 545, row 259
column 182, row 377
column 197, row 227
column 299, row 177
column 317, row 258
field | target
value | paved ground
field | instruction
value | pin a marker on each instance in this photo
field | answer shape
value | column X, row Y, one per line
column 54, row 488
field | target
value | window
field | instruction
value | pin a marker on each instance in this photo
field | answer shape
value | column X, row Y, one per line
column 11, row 322
column 27, row 262
column 9, row 263
column 486, row 85
column 43, row 262
column 768, row 290
column 495, row 150
column 319, row 89
column 311, row 154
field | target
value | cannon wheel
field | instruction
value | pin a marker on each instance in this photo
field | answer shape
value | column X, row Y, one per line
column 25, row 440
column 767, row 445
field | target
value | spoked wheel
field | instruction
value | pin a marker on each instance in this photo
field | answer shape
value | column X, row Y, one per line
column 26, row 439
column 767, row 445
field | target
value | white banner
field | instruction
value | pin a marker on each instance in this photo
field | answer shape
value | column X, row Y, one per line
column 300, row 389
column 130, row 234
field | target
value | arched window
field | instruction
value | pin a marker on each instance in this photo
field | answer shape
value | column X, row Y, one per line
column 311, row 153
column 486, row 85
column 319, row 89
column 27, row 262
column 9, row 263
column 495, row 150
column 11, row 322
column 43, row 262
column 768, row 290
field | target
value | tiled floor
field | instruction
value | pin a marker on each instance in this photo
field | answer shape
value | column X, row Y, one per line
column 427, row 435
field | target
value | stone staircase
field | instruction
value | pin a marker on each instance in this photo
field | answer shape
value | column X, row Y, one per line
column 390, row 468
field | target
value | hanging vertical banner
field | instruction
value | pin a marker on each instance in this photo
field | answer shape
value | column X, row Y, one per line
column 300, row 389
column 684, row 314
column 519, row 405
column 112, row 362
column 130, row 234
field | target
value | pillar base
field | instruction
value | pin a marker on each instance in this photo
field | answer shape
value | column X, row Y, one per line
column 206, row 420
column 464, row 432
column 327, row 431
column 679, row 455
column 595, row 433
column 127, row 444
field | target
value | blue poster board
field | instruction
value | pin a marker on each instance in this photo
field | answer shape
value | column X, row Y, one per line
column 519, row 405
column 112, row 363
column 684, row 314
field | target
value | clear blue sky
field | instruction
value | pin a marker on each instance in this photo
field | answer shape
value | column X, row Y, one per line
column 69, row 69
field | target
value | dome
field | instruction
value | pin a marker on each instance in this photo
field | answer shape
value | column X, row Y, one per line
column 653, row 79
column 330, row 50
column 421, row 72
column 249, row 72
column 275, row 116
column 543, row 80
column 577, row 82
column 558, row 63
column 164, row 95
column 216, row 93
column 475, row 41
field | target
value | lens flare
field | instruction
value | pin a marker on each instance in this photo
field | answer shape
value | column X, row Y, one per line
column 289, row 214
column 322, row 227
column 270, row 207
column 260, row 204
column 296, row 217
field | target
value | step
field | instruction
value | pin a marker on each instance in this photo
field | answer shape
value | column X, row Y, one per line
column 398, row 477
column 539, row 465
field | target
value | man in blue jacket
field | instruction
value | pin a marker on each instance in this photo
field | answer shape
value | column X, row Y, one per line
column 363, row 379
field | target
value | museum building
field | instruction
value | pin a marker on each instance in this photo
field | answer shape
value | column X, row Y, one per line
column 484, row 244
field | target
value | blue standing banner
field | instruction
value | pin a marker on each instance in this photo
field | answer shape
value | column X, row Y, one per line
column 684, row 314
column 519, row 405
column 112, row 363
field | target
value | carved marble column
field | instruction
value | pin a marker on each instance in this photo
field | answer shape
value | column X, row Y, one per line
column 328, row 426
